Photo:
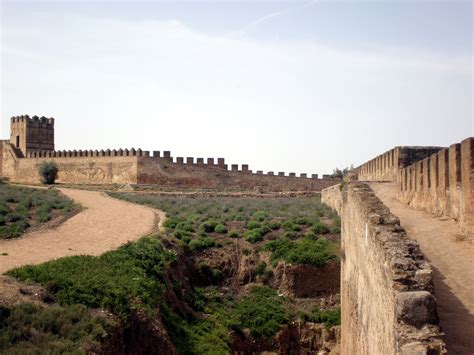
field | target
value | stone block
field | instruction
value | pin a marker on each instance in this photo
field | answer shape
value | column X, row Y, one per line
column 416, row 308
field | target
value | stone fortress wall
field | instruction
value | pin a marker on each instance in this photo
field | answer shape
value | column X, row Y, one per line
column 387, row 300
column 434, row 179
column 22, row 155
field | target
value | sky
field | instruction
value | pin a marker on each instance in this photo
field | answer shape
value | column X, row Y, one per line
column 294, row 86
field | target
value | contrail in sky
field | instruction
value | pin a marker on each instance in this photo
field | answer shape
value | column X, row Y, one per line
column 273, row 15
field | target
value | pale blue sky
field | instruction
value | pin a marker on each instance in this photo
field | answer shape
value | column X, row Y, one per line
column 301, row 86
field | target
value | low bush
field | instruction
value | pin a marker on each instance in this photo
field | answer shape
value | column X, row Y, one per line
column 260, row 269
column 261, row 311
column 30, row 329
column 253, row 236
column 22, row 207
column 330, row 317
column 220, row 228
column 233, row 234
column 290, row 226
column 260, row 216
column 203, row 242
column 252, row 225
column 48, row 172
column 304, row 251
column 119, row 280
column 320, row 228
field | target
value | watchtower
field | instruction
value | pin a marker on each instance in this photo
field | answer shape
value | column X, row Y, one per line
column 35, row 133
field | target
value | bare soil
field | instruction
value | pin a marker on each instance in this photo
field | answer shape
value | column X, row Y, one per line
column 103, row 225
column 452, row 260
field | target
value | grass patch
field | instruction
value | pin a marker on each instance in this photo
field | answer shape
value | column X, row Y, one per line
column 30, row 329
column 330, row 317
column 121, row 280
column 192, row 219
column 303, row 251
column 261, row 311
column 22, row 207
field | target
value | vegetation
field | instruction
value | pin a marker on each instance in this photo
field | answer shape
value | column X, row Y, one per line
column 261, row 311
column 304, row 251
column 22, row 207
column 48, row 172
column 30, row 329
column 131, row 278
column 330, row 317
column 201, row 223
column 121, row 280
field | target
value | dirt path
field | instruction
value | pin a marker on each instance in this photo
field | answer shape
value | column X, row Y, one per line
column 452, row 260
column 105, row 224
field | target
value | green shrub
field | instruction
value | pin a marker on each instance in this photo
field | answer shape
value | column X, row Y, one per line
column 48, row 172
column 253, row 236
column 330, row 318
column 320, row 228
column 185, row 226
column 220, row 228
column 252, row 225
column 303, row 220
column 208, row 226
column 260, row 216
column 233, row 234
column 304, row 251
column 171, row 223
column 274, row 225
column 260, row 269
column 262, row 311
column 119, row 280
column 202, row 243
column 30, row 329
column 290, row 226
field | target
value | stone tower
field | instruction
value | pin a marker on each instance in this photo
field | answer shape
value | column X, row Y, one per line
column 29, row 134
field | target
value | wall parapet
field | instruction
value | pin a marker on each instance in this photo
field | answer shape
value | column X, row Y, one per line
column 387, row 299
column 434, row 179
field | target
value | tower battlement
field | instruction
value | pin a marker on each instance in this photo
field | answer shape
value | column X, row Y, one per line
column 32, row 133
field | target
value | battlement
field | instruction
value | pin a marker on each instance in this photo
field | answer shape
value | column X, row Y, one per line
column 87, row 153
column 32, row 139
column 31, row 133
column 435, row 179
column 35, row 120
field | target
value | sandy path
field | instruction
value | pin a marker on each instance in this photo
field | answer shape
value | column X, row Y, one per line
column 105, row 224
column 452, row 261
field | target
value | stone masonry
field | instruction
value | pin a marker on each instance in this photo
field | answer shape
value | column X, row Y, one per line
column 32, row 142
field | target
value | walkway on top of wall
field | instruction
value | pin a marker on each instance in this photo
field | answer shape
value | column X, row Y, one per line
column 452, row 260
column 105, row 224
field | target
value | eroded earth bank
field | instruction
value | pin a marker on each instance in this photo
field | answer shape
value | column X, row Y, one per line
column 226, row 275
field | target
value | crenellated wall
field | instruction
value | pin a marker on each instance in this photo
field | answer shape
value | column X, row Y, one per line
column 384, row 277
column 437, row 180
column 385, row 166
column 136, row 166
column 153, row 170
column 442, row 184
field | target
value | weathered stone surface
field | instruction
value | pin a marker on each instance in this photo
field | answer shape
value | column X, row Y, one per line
column 416, row 308
column 126, row 166
column 386, row 285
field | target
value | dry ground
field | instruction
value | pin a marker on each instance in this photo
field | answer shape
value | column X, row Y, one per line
column 105, row 224
column 452, row 260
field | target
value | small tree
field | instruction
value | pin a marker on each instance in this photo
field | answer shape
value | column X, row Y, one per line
column 48, row 171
